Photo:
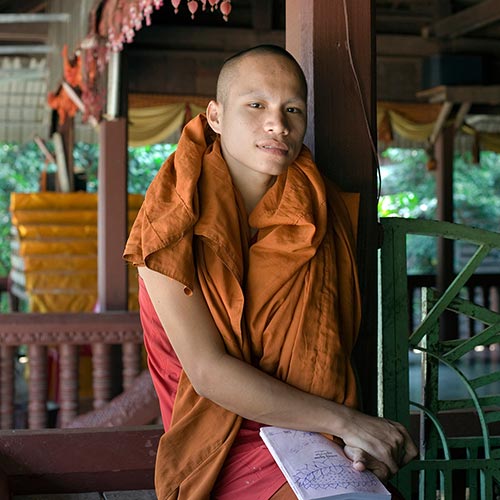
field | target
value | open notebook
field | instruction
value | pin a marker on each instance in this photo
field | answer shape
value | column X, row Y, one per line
column 316, row 468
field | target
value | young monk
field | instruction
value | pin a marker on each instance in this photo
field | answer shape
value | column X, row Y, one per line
column 248, row 294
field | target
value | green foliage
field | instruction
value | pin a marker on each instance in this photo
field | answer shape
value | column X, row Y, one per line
column 143, row 164
column 477, row 190
column 409, row 190
column 21, row 166
column 86, row 158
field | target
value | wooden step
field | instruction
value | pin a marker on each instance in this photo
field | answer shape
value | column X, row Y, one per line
column 59, row 463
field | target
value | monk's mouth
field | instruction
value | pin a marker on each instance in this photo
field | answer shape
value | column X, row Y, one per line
column 276, row 150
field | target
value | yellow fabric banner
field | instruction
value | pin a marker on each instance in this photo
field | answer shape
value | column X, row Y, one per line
column 54, row 250
column 154, row 124
column 488, row 141
column 416, row 122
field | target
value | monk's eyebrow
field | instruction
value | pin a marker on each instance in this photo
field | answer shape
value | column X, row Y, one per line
column 258, row 95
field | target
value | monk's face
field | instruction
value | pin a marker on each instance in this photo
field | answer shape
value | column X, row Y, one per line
column 262, row 117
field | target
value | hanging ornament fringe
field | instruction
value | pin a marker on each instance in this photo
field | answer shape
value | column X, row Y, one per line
column 176, row 4
column 125, row 17
column 213, row 4
column 193, row 7
column 225, row 6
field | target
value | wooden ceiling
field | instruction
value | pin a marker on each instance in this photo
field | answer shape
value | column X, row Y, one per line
column 408, row 33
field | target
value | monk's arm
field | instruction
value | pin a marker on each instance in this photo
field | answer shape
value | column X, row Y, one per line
column 255, row 395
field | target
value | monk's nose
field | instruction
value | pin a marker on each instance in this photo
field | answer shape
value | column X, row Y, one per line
column 277, row 123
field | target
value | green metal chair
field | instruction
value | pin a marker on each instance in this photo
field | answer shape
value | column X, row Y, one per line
column 454, row 466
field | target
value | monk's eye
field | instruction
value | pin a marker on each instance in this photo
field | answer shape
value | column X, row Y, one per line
column 255, row 105
column 293, row 110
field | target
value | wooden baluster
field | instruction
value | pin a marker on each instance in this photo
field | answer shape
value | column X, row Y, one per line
column 131, row 363
column 7, row 386
column 37, row 387
column 68, row 388
column 101, row 374
column 494, row 299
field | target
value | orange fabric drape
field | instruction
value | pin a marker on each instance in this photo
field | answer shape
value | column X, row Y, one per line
column 303, row 257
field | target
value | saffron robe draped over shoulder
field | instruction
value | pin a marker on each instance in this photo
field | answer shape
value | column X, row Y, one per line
column 288, row 303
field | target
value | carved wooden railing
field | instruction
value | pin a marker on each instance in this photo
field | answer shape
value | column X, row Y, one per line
column 65, row 331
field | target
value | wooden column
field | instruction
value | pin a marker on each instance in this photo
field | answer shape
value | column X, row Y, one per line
column 445, row 250
column 112, row 207
column 339, row 134
column 112, row 215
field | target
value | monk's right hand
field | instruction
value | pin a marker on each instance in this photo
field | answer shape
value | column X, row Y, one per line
column 363, row 461
column 380, row 444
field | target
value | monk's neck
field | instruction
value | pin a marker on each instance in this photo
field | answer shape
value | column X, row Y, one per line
column 252, row 188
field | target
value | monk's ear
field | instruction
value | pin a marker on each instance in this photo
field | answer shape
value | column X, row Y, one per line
column 214, row 116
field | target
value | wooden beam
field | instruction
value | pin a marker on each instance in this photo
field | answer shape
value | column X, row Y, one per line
column 410, row 45
column 405, row 45
column 198, row 38
column 34, row 18
column 461, row 114
column 440, row 122
column 27, row 33
column 52, row 328
column 466, row 20
column 230, row 40
column 11, row 50
column 262, row 15
column 442, row 8
column 487, row 94
column 22, row 74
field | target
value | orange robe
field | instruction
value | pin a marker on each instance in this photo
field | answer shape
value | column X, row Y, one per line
column 288, row 303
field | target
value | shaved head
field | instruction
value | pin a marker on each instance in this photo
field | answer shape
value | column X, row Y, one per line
column 230, row 68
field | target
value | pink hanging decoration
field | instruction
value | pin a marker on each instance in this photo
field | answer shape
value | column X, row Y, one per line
column 193, row 7
column 176, row 4
column 225, row 8
column 148, row 10
column 203, row 4
column 213, row 4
